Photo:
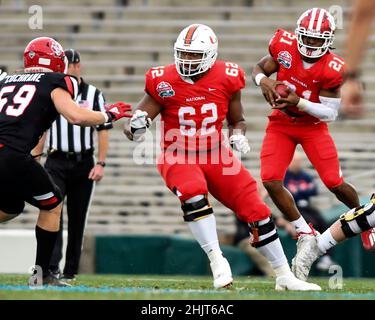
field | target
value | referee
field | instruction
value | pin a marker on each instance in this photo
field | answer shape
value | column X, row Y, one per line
column 71, row 164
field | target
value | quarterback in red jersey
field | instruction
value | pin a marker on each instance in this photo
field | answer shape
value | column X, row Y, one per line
column 304, row 62
column 194, row 96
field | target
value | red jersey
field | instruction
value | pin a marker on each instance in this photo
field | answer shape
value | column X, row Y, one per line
column 193, row 112
column 326, row 73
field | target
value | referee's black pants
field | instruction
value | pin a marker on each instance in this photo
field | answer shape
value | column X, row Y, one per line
column 70, row 173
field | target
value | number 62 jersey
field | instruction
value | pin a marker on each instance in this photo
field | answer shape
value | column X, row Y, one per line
column 193, row 112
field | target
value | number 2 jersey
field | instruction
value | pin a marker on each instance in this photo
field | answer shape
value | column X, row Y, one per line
column 326, row 73
column 193, row 112
column 26, row 106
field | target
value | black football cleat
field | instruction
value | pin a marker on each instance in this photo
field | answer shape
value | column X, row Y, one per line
column 50, row 280
column 68, row 277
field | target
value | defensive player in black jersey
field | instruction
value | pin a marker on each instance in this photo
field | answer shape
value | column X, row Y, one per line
column 29, row 102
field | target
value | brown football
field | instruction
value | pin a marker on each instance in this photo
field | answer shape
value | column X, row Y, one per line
column 282, row 90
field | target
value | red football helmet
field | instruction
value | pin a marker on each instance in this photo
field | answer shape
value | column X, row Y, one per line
column 315, row 23
column 45, row 53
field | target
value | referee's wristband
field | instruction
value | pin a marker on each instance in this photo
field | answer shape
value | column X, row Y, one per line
column 101, row 163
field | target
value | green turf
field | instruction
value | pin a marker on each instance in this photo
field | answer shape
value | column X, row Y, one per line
column 147, row 287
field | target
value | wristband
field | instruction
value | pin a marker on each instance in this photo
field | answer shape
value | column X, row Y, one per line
column 258, row 78
column 101, row 163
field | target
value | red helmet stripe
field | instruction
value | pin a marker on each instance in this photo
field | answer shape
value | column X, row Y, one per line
column 317, row 14
column 320, row 20
column 189, row 34
column 312, row 19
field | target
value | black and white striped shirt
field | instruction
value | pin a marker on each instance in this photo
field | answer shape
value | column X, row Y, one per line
column 66, row 137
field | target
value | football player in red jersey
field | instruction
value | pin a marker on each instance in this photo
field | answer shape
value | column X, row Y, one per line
column 29, row 102
column 304, row 62
column 194, row 96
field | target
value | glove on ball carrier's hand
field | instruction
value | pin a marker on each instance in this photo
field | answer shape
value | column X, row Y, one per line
column 139, row 122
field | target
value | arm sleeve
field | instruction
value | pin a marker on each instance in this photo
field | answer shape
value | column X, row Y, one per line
column 326, row 111
column 99, row 105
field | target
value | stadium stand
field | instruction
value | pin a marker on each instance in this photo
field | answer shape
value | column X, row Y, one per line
column 120, row 40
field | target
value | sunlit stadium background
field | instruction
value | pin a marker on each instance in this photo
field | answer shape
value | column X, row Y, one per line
column 135, row 224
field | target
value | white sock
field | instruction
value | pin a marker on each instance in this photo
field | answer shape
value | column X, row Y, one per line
column 283, row 270
column 326, row 241
column 273, row 251
column 204, row 231
column 301, row 225
column 215, row 255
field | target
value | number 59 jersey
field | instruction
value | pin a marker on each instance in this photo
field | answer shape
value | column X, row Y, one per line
column 193, row 112
column 326, row 73
column 26, row 106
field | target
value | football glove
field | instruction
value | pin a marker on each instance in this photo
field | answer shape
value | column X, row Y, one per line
column 239, row 143
column 139, row 122
column 118, row 110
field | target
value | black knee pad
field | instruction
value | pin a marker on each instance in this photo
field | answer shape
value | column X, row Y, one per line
column 196, row 210
column 258, row 231
column 357, row 219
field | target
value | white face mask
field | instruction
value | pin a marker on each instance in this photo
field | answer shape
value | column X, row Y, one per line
column 313, row 51
column 196, row 38
column 315, row 23
column 188, row 68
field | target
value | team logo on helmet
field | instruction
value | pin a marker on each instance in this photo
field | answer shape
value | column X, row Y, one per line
column 285, row 58
column 31, row 54
column 165, row 90
column 57, row 50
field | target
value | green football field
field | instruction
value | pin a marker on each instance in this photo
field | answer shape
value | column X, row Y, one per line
column 148, row 287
